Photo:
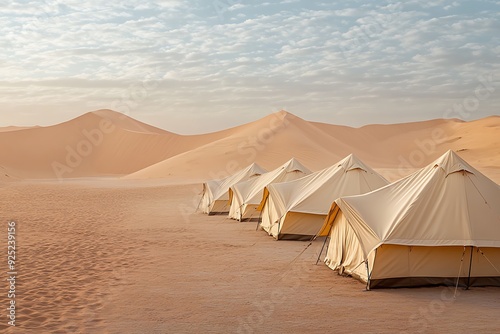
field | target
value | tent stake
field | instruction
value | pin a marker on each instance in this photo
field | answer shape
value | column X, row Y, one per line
column 470, row 267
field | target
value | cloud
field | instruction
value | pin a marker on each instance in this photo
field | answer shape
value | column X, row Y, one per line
column 311, row 56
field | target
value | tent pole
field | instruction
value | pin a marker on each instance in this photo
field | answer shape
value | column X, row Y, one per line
column 241, row 214
column 367, row 275
column 279, row 230
column 470, row 267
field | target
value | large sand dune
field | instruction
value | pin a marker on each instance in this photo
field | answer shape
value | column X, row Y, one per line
column 98, row 143
column 107, row 143
column 269, row 141
column 396, row 149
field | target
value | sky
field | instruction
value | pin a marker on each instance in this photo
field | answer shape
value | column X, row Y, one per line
column 200, row 66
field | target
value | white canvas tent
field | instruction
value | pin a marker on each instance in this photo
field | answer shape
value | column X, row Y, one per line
column 215, row 197
column 297, row 209
column 245, row 197
column 440, row 225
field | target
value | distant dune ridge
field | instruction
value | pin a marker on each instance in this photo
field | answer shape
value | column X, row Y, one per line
column 16, row 128
column 108, row 143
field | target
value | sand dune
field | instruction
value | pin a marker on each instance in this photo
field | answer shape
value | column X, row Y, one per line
column 381, row 144
column 95, row 144
column 16, row 128
column 7, row 175
column 269, row 141
column 395, row 150
column 107, row 143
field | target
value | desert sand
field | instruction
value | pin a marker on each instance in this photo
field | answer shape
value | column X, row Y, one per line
column 115, row 244
column 107, row 143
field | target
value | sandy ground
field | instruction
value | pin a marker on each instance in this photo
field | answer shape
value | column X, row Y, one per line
column 132, row 257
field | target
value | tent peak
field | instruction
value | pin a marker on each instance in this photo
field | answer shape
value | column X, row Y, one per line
column 451, row 163
column 294, row 165
column 352, row 162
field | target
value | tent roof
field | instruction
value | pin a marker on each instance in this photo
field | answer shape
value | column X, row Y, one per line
column 250, row 192
column 446, row 203
column 220, row 187
column 315, row 192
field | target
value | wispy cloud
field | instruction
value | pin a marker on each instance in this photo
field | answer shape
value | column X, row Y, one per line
column 346, row 63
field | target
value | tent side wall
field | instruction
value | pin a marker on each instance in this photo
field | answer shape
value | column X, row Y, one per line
column 234, row 204
column 270, row 216
column 249, row 212
column 219, row 207
column 207, row 198
column 411, row 266
column 238, row 209
column 344, row 252
column 252, row 207
column 299, row 226
column 215, row 198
